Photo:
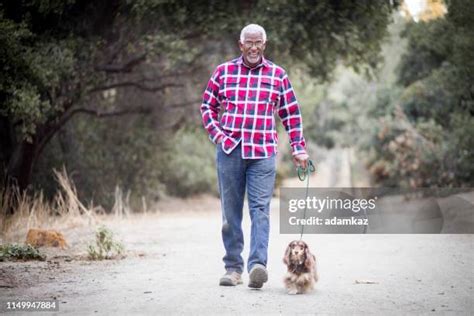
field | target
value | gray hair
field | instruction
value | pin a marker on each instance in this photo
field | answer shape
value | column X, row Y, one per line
column 253, row 28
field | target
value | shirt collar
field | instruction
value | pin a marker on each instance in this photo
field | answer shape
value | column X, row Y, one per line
column 264, row 62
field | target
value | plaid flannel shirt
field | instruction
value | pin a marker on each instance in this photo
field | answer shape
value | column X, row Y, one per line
column 250, row 98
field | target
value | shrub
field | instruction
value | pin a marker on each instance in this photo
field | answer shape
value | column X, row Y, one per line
column 106, row 247
column 190, row 168
column 20, row 252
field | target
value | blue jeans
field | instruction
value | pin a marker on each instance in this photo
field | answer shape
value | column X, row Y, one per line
column 235, row 175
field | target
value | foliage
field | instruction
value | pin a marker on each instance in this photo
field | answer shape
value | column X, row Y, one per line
column 36, row 65
column 189, row 167
column 106, row 247
column 319, row 35
column 20, row 252
column 439, row 101
column 130, row 160
column 61, row 60
column 429, row 45
column 415, row 131
column 403, row 154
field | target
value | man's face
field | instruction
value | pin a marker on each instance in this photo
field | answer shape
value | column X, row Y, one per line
column 252, row 48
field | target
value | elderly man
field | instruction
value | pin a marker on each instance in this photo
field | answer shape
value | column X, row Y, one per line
column 250, row 89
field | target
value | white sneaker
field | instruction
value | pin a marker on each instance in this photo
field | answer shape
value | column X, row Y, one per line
column 257, row 276
column 231, row 278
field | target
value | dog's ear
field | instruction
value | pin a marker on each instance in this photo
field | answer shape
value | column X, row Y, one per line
column 286, row 258
column 315, row 272
column 309, row 261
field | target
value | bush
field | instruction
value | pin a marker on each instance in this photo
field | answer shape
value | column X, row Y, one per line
column 20, row 252
column 190, row 167
column 106, row 247
column 422, row 154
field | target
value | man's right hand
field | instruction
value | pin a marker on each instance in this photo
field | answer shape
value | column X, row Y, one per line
column 301, row 160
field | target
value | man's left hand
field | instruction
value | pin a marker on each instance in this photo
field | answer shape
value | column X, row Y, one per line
column 301, row 160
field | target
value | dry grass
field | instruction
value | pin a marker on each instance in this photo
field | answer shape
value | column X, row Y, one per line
column 64, row 211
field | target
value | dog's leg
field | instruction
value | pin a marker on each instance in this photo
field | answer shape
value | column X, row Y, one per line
column 292, row 290
column 304, row 283
column 290, row 285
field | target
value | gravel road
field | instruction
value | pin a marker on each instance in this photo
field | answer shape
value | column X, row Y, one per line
column 174, row 265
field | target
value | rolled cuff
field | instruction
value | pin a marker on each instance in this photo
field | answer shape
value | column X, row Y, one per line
column 298, row 149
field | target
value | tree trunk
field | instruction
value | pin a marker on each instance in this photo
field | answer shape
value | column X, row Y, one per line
column 18, row 173
column 6, row 142
column 20, row 166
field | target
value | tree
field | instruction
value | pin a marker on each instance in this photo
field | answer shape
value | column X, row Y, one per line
column 427, row 140
column 414, row 125
column 61, row 58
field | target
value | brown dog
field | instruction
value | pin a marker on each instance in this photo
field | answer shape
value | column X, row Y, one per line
column 301, row 264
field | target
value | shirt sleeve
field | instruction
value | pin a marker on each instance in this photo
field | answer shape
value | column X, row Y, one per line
column 210, row 108
column 290, row 115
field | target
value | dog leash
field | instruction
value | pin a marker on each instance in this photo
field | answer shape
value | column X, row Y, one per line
column 303, row 174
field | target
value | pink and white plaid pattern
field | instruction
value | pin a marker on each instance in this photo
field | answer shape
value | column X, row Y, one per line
column 249, row 98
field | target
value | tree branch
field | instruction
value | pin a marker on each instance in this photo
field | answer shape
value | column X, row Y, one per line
column 99, row 114
column 125, row 67
column 183, row 104
column 134, row 84
column 175, row 74
column 52, row 129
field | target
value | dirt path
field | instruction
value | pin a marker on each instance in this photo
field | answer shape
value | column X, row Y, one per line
column 175, row 262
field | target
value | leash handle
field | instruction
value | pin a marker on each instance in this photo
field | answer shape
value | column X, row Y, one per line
column 304, row 172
